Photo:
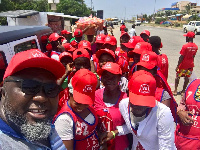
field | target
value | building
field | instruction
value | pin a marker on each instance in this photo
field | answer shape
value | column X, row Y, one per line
column 181, row 5
column 163, row 10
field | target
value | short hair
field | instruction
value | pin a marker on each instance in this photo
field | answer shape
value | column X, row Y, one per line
column 133, row 26
column 126, row 29
column 155, row 41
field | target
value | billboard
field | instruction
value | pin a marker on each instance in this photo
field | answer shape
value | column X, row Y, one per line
column 100, row 14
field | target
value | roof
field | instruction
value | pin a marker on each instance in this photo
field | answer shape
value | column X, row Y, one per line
column 13, row 33
column 174, row 4
column 65, row 16
column 19, row 13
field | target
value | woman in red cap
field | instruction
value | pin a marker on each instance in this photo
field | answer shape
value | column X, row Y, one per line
column 76, row 123
column 107, row 104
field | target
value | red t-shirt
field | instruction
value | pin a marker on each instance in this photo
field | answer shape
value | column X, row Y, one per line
column 122, row 28
column 188, row 50
column 163, row 64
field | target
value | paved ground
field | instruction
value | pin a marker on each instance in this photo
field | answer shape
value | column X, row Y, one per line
column 172, row 40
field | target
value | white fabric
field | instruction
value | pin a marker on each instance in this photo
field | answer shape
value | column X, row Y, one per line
column 165, row 96
column 64, row 127
column 54, row 56
column 109, row 104
column 90, row 118
column 155, row 132
column 132, row 32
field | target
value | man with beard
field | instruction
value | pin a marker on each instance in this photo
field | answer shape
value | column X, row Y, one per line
column 29, row 102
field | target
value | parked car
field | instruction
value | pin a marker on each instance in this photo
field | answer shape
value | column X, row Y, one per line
column 14, row 39
column 137, row 22
column 192, row 26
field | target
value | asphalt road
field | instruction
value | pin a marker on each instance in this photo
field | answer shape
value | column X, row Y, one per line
column 172, row 40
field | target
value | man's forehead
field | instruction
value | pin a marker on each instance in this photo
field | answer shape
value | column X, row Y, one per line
column 35, row 73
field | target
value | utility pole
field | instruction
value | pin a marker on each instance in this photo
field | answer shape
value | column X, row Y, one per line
column 125, row 14
column 91, row 4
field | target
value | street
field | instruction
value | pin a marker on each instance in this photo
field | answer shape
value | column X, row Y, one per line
column 172, row 40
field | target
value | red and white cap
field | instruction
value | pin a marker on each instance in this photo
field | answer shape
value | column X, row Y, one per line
column 107, row 51
column 133, row 41
column 34, row 58
column 145, row 32
column 65, row 32
column 55, row 37
column 148, row 60
column 111, row 67
column 142, row 87
column 100, row 38
column 124, row 34
column 84, row 44
column 84, row 84
column 81, row 52
column 190, row 34
column 78, row 33
column 110, row 40
column 141, row 47
column 64, row 54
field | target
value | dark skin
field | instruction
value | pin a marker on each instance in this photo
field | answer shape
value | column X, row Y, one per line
column 104, row 58
column 22, row 104
column 154, row 72
column 145, row 37
column 111, row 47
column 186, row 79
column 57, row 45
column 124, row 39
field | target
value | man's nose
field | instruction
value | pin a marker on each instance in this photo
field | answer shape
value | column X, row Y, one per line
column 40, row 96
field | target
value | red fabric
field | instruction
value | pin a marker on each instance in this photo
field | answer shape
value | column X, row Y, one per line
column 85, row 133
column 122, row 28
column 158, row 94
column 132, row 70
column 163, row 64
column 109, row 118
column 96, row 62
column 188, row 51
column 122, row 59
column 162, row 83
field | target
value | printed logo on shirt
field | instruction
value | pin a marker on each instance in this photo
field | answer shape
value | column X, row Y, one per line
column 145, row 57
column 197, row 94
column 87, row 89
column 164, row 61
column 144, row 88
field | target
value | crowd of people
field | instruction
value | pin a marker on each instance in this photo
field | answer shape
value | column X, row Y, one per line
column 88, row 94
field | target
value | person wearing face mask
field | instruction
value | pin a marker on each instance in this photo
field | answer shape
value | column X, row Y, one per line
column 107, row 102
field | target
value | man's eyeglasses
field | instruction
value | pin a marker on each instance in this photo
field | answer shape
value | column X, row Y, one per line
column 32, row 87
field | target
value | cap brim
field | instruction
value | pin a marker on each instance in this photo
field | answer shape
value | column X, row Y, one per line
column 128, row 45
column 140, row 100
column 51, row 65
column 184, row 34
column 137, row 51
column 145, row 65
column 111, row 43
column 100, row 52
column 83, row 98
column 101, row 42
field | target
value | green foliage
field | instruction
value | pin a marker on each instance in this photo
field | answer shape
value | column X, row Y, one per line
column 73, row 7
column 158, row 20
column 188, row 8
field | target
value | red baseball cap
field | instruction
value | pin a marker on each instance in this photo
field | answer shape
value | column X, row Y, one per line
column 81, row 52
column 100, row 38
column 102, row 51
column 145, row 32
column 55, row 37
column 64, row 54
column 190, row 34
column 142, row 87
column 65, row 32
column 84, row 44
column 34, row 58
column 74, row 43
column 141, row 47
column 84, row 84
column 124, row 33
column 111, row 67
column 78, row 33
column 161, row 45
column 71, row 48
column 66, row 46
column 44, row 39
column 148, row 60
column 133, row 41
column 110, row 40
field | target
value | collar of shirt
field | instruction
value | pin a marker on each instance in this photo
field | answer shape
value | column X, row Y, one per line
column 55, row 140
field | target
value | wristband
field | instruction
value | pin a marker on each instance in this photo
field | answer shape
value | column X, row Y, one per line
column 113, row 133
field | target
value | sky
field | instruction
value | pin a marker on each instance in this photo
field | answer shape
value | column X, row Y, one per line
column 130, row 8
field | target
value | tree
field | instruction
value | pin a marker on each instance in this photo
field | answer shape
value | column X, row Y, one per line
column 73, row 7
column 188, row 8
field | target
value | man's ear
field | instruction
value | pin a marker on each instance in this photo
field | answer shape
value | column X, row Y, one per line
column 2, row 89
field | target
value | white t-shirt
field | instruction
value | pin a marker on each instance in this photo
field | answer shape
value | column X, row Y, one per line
column 64, row 125
column 132, row 32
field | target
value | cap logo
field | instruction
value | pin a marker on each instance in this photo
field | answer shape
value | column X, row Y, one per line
column 108, row 65
column 37, row 54
column 145, row 57
column 56, row 35
column 85, row 44
column 99, row 37
column 88, row 89
column 144, row 88
column 138, row 46
column 131, row 40
column 108, row 38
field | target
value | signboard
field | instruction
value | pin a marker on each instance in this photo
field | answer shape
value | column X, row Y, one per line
column 100, row 14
